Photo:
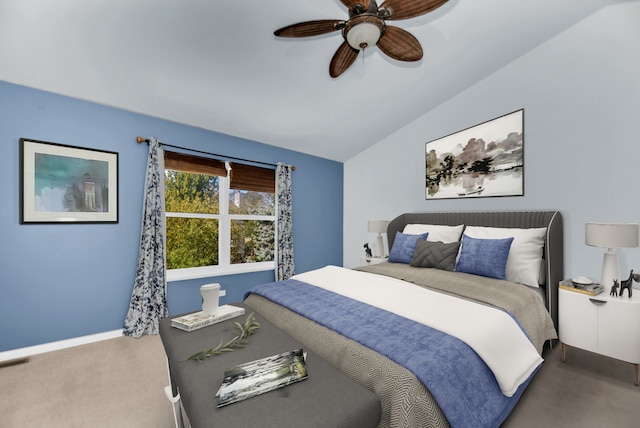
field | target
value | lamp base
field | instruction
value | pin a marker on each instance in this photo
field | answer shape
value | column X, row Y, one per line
column 380, row 247
column 610, row 270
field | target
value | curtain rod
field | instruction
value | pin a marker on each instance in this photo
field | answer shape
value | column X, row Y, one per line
column 145, row 140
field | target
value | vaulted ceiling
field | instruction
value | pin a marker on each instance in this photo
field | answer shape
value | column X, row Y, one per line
column 216, row 64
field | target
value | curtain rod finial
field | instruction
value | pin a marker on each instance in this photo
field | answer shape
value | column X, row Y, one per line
column 141, row 140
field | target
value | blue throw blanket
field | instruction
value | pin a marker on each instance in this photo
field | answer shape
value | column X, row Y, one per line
column 461, row 383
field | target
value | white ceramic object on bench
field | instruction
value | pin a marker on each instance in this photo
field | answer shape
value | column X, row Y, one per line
column 210, row 298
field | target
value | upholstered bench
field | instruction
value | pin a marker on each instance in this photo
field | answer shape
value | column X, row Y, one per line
column 327, row 398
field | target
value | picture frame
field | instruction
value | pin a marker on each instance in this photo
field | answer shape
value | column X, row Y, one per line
column 67, row 184
column 485, row 160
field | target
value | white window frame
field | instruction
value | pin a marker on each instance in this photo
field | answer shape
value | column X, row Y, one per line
column 224, row 266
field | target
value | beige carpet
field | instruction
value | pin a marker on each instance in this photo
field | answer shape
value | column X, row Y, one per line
column 113, row 383
column 587, row 390
column 120, row 383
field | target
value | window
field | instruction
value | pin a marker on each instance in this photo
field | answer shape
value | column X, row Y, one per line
column 217, row 222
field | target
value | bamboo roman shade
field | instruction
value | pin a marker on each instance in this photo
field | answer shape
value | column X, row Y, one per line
column 254, row 178
column 243, row 177
column 194, row 164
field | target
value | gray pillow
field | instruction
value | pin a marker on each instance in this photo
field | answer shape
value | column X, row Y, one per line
column 436, row 255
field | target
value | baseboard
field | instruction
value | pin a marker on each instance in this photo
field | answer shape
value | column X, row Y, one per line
column 21, row 353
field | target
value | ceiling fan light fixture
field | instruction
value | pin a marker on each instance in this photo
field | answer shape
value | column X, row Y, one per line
column 363, row 31
column 363, row 35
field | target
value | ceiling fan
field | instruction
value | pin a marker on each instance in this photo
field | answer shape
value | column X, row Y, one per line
column 366, row 27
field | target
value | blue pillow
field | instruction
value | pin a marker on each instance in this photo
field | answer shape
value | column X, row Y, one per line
column 404, row 246
column 484, row 257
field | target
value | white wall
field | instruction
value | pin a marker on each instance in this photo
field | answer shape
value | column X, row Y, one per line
column 581, row 95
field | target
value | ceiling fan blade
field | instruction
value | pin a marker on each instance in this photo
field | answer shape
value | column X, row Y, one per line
column 400, row 44
column 342, row 59
column 351, row 3
column 310, row 28
column 403, row 9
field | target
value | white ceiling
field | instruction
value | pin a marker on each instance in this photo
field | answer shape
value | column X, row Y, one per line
column 216, row 64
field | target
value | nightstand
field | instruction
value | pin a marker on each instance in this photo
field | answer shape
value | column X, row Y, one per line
column 602, row 324
column 365, row 261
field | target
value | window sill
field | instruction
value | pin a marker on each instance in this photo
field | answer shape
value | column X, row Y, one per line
column 213, row 271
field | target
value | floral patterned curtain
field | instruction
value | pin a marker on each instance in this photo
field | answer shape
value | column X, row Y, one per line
column 149, row 297
column 285, row 267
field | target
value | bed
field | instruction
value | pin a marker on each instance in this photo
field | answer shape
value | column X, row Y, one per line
column 439, row 347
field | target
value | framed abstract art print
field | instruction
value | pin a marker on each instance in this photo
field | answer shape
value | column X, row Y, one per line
column 67, row 184
column 481, row 161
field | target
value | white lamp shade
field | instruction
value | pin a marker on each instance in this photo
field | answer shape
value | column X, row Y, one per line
column 378, row 226
column 611, row 235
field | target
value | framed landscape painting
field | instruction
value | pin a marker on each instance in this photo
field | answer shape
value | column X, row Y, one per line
column 67, row 184
column 482, row 161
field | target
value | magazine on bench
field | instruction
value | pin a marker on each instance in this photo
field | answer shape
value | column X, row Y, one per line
column 257, row 377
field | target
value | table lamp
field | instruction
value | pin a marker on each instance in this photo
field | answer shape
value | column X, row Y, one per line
column 610, row 236
column 379, row 227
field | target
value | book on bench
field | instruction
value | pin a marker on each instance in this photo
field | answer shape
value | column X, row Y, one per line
column 198, row 320
column 266, row 374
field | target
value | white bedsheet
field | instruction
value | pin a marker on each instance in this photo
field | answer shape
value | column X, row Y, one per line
column 492, row 333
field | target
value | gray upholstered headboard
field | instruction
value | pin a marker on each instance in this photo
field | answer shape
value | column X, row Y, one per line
column 553, row 251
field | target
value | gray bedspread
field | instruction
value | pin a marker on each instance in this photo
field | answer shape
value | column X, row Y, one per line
column 516, row 299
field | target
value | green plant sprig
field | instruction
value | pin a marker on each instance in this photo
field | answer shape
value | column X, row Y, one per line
column 246, row 330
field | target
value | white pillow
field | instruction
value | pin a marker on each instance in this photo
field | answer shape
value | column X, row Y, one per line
column 437, row 232
column 525, row 255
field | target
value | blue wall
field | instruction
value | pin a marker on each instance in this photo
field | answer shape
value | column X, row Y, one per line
column 64, row 281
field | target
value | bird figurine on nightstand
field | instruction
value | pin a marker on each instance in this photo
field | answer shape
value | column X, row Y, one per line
column 367, row 250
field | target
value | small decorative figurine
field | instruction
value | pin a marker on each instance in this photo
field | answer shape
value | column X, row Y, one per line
column 627, row 284
column 367, row 250
column 614, row 288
